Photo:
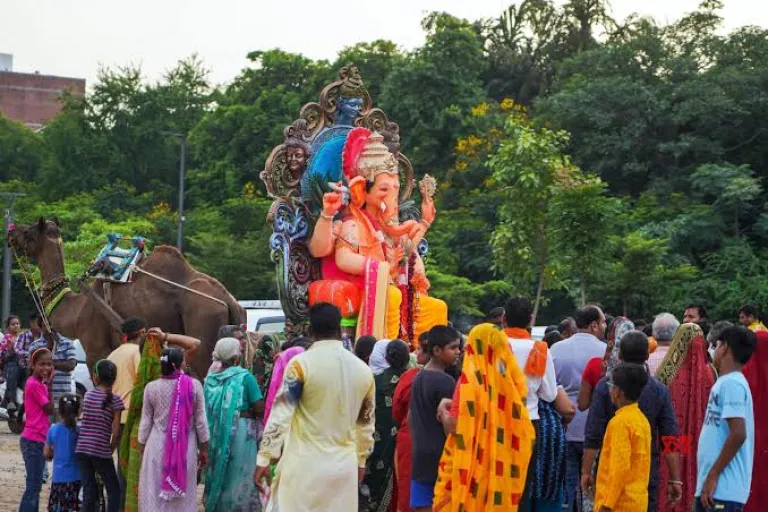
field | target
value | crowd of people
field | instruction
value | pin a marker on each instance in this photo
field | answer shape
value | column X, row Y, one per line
column 603, row 414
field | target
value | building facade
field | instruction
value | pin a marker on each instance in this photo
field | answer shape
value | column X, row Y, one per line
column 32, row 98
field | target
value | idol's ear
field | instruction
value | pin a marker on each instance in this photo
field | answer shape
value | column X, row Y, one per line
column 357, row 186
column 41, row 224
column 56, row 221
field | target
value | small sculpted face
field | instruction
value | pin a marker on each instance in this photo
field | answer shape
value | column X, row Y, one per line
column 297, row 159
column 350, row 108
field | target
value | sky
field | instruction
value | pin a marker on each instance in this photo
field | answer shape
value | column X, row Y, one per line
column 74, row 38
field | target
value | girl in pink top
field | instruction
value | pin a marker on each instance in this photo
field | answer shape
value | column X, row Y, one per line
column 38, row 403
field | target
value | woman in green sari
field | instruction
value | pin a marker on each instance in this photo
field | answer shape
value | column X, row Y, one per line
column 234, row 405
column 130, row 456
column 388, row 361
column 151, row 345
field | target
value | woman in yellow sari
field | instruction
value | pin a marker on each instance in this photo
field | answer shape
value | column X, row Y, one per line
column 485, row 461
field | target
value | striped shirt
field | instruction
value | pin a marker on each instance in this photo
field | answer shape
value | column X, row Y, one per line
column 65, row 351
column 23, row 343
column 96, row 427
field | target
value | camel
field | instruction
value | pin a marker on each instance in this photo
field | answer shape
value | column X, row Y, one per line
column 162, row 305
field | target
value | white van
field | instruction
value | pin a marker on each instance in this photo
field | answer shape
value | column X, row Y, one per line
column 264, row 316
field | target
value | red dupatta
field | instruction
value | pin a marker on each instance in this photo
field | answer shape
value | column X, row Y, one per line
column 756, row 372
column 689, row 377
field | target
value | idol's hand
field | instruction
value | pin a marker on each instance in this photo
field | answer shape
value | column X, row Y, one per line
column 428, row 211
column 332, row 203
column 395, row 256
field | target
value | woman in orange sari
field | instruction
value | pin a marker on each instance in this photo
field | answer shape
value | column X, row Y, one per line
column 401, row 404
column 689, row 377
column 485, row 459
column 756, row 372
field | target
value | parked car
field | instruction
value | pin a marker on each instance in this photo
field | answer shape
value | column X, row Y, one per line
column 82, row 374
column 264, row 316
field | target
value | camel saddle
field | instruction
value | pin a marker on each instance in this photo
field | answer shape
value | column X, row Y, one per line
column 115, row 263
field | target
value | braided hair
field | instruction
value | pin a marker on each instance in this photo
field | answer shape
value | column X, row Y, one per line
column 106, row 371
column 69, row 409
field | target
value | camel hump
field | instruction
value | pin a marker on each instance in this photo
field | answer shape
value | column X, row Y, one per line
column 166, row 261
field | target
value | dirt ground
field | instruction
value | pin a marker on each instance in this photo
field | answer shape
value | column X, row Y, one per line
column 12, row 474
column 12, row 471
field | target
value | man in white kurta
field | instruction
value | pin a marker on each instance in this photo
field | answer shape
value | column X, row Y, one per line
column 321, row 425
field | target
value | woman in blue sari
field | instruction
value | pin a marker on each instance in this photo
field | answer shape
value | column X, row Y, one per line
column 234, row 406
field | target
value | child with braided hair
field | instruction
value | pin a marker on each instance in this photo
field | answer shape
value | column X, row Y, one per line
column 99, row 435
column 60, row 448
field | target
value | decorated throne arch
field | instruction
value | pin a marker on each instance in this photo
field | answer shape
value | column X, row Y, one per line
column 308, row 165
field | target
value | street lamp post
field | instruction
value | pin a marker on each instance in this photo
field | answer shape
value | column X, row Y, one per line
column 7, row 260
column 182, row 175
column 180, row 231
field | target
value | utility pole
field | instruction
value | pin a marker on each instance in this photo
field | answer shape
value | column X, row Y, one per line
column 182, row 176
column 180, row 231
column 7, row 259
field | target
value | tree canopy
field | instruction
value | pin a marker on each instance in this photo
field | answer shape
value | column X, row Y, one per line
column 580, row 158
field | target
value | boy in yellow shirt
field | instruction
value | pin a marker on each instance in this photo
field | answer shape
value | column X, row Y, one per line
column 625, row 460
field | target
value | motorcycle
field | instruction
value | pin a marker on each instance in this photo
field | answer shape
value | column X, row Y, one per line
column 15, row 418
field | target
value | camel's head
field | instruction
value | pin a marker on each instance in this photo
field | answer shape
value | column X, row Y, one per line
column 31, row 241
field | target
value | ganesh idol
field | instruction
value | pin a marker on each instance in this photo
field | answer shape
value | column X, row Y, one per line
column 370, row 265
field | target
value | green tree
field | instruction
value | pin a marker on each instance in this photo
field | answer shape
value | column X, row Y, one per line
column 232, row 142
column 636, row 277
column 582, row 215
column 432, row 91
column 530, row 40
column 730, row 189
column 22, row 152
column 376, row 60
column 529, row 168
column 119, row 132
column 232, row 244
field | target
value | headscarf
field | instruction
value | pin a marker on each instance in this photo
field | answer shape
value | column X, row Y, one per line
column 756, row 372
column 174, row 483
column 263, row 358
column 687, row 374
column 378, row 360
column 484, row 464
column 619, row 328
column 223, row 398
column 130, row 456
column 277, row 377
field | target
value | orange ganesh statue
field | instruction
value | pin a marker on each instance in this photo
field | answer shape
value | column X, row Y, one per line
column 345, row 229
column 370, row 265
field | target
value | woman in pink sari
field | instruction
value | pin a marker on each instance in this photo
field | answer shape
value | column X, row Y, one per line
column 689, row 377
column 756, row 372
column 277, row 377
